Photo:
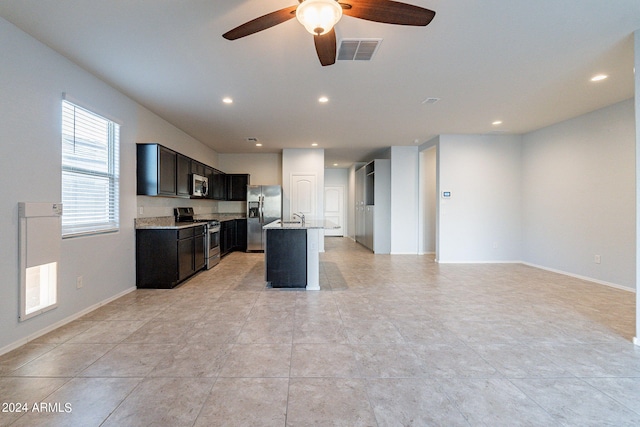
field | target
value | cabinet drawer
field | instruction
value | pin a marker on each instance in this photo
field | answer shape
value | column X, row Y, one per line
column 185, row 233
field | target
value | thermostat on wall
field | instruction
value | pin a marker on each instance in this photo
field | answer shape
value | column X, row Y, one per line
column 446, row 194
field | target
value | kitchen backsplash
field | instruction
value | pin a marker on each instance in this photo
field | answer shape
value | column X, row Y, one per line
column 148, row 207
column 232, row 207
column 152, row 207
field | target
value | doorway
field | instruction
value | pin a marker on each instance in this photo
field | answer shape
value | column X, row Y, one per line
column 334, row 209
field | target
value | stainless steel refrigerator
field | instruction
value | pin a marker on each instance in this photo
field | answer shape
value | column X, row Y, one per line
column 264, row 205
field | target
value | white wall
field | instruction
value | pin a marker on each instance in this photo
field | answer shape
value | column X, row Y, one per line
column 149, row 130
column 265, row 169
column 579, row 195
column 481, row 220
column 351, row 200
column 336, row 177
column 33, row 80
column 636, row 50
column 405, row 180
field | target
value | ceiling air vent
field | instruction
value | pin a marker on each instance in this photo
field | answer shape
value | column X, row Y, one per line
column 358, row 49
column 430, row 101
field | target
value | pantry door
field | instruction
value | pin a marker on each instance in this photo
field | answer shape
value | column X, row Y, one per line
column 304, row 195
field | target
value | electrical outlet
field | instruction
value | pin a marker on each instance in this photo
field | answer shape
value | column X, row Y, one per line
column 79, row 283
column 596, row 259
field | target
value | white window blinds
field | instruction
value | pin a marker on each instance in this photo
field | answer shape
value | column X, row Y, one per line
column 90, row 172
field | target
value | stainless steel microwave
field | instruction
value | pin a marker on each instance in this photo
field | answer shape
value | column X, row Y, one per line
column 199, row 185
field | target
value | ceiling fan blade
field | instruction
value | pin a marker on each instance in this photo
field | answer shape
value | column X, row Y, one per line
column 262, row 23
column 326, row 48
column 388, row 12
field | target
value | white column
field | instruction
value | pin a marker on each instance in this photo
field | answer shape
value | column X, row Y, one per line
column 313, row 258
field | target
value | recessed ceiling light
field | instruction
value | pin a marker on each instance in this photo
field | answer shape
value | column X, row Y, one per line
column 599, row 77
column 315, row 144
column 258, row 145
column 323, row 99
column 227, row 100
column 335, row 164
column 497, row 122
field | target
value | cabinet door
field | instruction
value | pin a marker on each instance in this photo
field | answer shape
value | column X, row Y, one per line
column 369, row 227
column 359, row 208
column 208, row 172
column 183, row 173
column 199, row 251
column 229, row 235
column 237, row 187
column 286, row 258
column 197, row 168
column 185, row 258
column 233, row 235
column 166, row 172
column 219, row 189
column 155, row 170
column 156, row 258
column 224, row 240
column 241, row 234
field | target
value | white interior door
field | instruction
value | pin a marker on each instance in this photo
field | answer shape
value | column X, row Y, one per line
column 304, row 195
column 334, row 209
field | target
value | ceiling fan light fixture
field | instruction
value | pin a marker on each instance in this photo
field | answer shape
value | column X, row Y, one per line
column 319, row 16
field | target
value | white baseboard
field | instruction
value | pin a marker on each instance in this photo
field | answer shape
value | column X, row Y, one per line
column 577, row 276
column 553, row 270
column 479, row 262
column 62, row 322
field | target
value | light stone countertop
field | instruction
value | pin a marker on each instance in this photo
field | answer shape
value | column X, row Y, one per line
column 297, row 225
column 169, row 223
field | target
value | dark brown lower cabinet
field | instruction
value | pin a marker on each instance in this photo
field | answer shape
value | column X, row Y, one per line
column 241, row 235
column 167, row 257
column 286, row 258
column 233, row 235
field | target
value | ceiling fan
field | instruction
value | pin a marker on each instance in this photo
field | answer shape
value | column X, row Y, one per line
column 319, row 17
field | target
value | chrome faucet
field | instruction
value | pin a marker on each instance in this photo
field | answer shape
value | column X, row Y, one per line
column 299, row 215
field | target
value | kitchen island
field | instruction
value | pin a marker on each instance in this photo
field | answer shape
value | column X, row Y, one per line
column 292, row 258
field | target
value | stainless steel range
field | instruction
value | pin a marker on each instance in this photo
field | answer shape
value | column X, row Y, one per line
column 212, row 241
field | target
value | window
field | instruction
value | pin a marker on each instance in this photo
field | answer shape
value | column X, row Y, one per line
column 90, row 172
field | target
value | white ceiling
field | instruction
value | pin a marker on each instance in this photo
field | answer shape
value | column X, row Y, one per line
column 527, row 63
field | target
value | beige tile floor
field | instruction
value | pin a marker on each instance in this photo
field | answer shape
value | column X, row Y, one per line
column 388, row 341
